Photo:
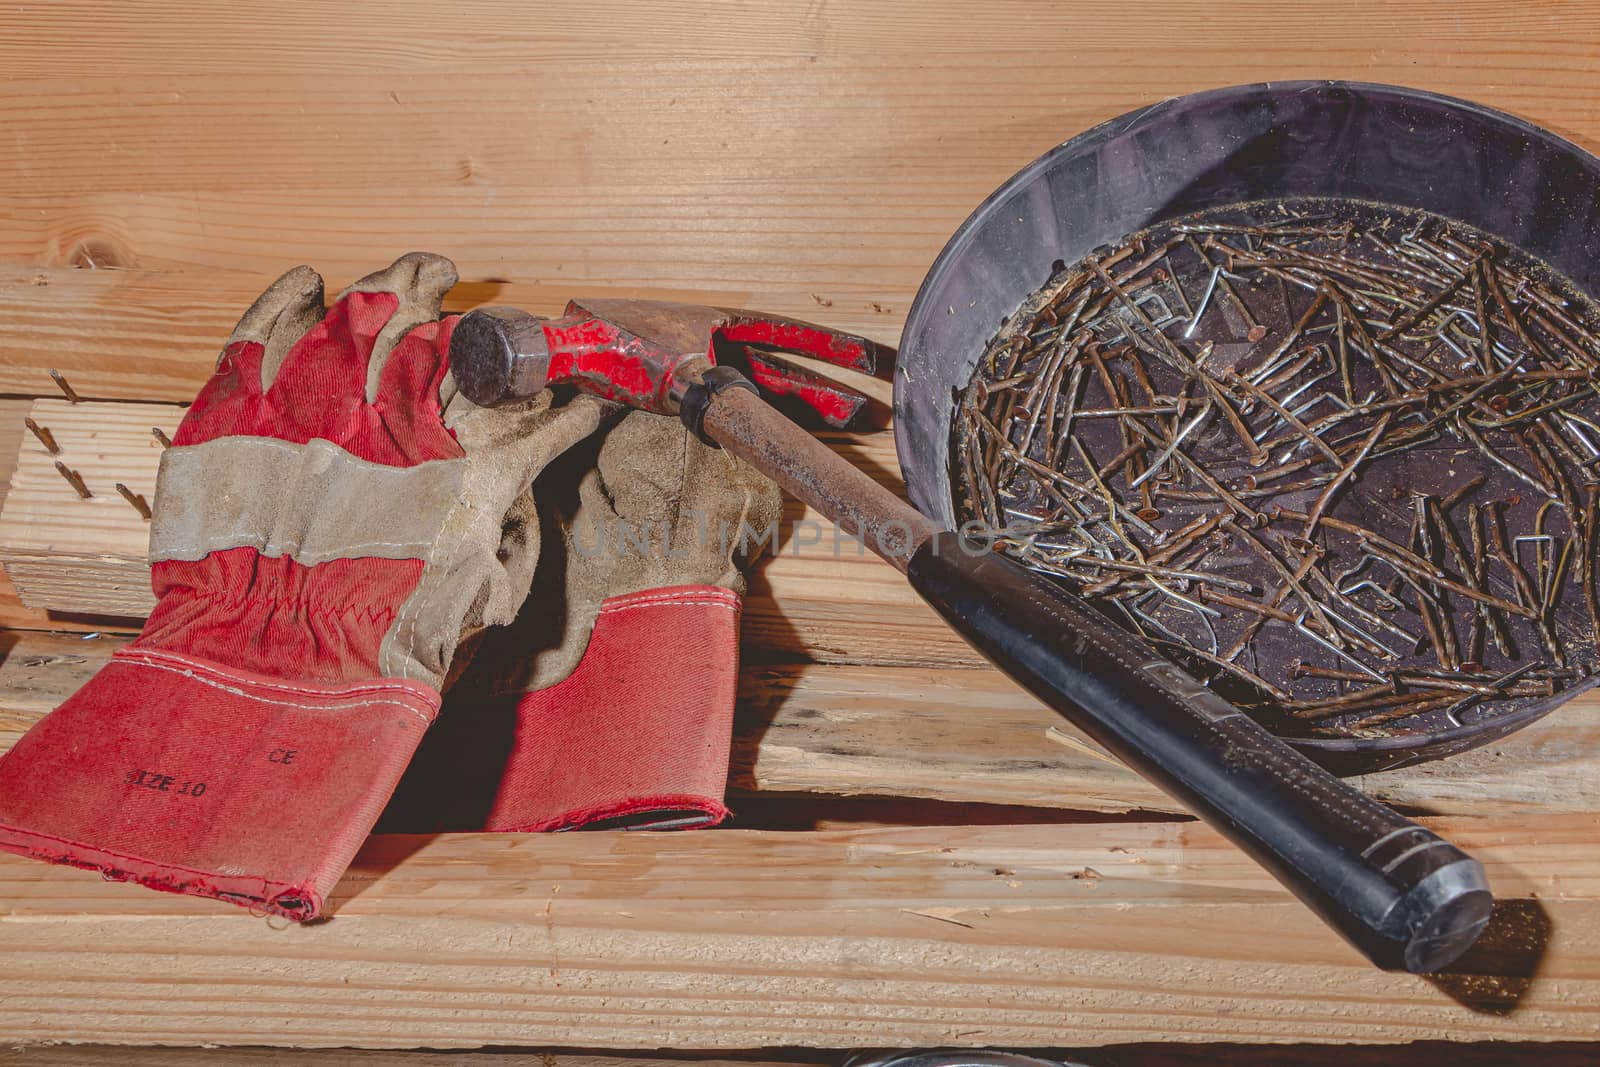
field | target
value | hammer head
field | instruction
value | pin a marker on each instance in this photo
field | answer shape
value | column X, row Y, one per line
column 644, row 354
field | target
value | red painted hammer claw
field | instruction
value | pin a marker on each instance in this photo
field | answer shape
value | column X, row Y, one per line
column 763, row 341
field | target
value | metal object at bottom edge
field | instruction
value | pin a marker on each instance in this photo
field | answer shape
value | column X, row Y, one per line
column 951, row 1058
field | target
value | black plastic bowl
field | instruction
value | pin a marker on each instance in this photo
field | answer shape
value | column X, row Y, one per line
column 1378, row 143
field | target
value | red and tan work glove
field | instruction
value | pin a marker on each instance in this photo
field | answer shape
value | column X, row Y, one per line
column 609, row 702
column 330, row 522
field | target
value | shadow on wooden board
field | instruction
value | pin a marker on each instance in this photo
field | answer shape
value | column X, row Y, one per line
column 1497, row 972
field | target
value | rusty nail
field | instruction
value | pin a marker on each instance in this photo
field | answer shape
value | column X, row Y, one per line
column 44, row 435
column 136, row 499
column 74, row 479
column 70, row 393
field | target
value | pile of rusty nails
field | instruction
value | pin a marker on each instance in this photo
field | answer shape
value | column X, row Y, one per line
column 1229, row 437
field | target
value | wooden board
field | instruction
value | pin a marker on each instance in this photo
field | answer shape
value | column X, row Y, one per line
column 163, row 164
column 12, row 611
column 819, row 594
column 12, row 412
column 812, row 157
column 973, row 736
column 87, row 553
column 132, row 334
column 1030, row 936
column 114, row 1056
column 1480, row 1054
column 962, row 737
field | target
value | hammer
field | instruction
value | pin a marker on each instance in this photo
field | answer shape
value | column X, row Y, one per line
column 1402, row 895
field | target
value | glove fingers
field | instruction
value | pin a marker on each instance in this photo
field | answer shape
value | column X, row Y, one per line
column 643, row 466
column 646, row 505
column 482, row 563
column 691, row 497
column 282, row 315
column 418, row 281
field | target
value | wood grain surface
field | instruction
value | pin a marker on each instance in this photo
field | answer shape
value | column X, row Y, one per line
column 1477, row 1054
column 12, row 412
column 746, row 939
column 160, row 164
column 958, row 736
column 122, row 1056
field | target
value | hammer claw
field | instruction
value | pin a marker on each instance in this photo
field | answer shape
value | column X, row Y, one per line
column 837, row 405
column 802, row 338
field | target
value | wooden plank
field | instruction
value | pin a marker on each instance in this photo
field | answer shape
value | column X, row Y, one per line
column 817, row 595
column 139, row 39
column 1030, row 936
column 13, row 612
column 834, row 148
column 44, row 518
column 808, row 160
column 12, row 412
column 112, row 1056
column 40, row 670
column 1479, row 1054
column 115, row 1056
column 952, row 735
column 151, row 335
column 57, row 536
column 973, row 736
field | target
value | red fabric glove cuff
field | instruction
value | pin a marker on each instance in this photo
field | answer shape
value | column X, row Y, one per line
column 637, row 736
column 187, row 776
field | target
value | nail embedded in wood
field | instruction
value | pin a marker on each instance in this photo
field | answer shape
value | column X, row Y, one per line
column 74, row 479
column 65, row 387
column 136, row 499
column 160, row 435
column 44, row 435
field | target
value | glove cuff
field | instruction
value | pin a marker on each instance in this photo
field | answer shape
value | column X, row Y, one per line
column 187, row 776
column 638, row 735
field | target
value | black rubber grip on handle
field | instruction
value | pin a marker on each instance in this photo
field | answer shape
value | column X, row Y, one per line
column 1401, row 894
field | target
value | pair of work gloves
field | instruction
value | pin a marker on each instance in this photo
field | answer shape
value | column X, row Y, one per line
column 334, row 529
